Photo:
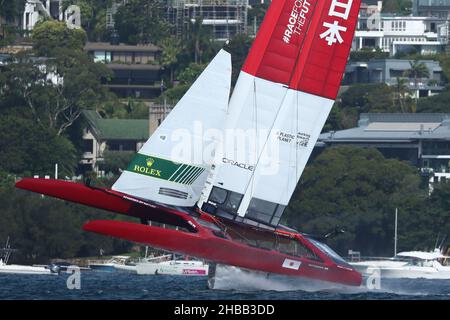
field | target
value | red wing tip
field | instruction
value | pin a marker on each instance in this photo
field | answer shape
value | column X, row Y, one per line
column 26, row 183
column 21, row 182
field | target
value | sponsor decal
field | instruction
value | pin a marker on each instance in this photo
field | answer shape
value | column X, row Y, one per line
column 237, row 164
column 150, row 162
column 302, row 138
column 139, row 201
column 192, row 224
column 340, row 9
column 291, row 264
column 285, row 137
column 164, row 169
column 317, row 267
column 297, row 19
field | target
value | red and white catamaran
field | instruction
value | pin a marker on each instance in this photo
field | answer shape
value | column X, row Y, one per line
column 227, row 205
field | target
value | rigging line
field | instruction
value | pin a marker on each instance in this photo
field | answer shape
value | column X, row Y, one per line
column 226, row 229
column 255, row 104
column 265, row 142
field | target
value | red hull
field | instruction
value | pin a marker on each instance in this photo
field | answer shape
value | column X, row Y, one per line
column 204, row 244
column 198, row 240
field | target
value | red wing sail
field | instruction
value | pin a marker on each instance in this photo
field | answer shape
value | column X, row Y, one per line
column 284, row 94
column 280, row 38
column 322, row 63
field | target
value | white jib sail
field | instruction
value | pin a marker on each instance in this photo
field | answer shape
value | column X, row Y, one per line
column 173, row 164
column 253, row 108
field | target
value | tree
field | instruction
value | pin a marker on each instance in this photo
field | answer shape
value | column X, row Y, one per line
column 418, row 70
column 141, row 21
column 115, row 161
column 186, row 77
column 51, row 35
column 369, row 98
column 57, row 89
column 171, row 48
column 402, row 98
column 199, row 39
column 437, row 103
column 401, row 7
column 238, row 47
column 93, row 17
column 33, row 149
column 42, row 228
column 10, row 9
column 361, row 98
column 256, row 14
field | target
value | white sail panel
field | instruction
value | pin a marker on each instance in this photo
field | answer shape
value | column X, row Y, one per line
column 295, row 131
column 169, row 167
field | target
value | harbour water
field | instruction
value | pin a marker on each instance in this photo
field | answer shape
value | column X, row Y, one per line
column 125, row 286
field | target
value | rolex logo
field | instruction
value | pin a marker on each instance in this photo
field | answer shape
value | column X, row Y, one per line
column 150, row 162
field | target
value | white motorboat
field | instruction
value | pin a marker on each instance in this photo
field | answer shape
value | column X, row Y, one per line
column 164, row 265
column 20, row 269
column 124, row 263
column 408, row 264
column 113, row 264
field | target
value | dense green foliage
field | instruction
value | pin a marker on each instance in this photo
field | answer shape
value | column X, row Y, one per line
column 42, row 228
column 32, row 149
column 400, row 7
column 42, row 97
column 238, row 47
column 115, row 161
column 141, row 21
column 370, row 97
column 367, row 53
column 11, row 8
column 438, row 103
column 51, row 35
column 58, row 85
column 93, row 17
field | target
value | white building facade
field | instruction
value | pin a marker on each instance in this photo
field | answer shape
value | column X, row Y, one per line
column 427, row 34
column 424, row 35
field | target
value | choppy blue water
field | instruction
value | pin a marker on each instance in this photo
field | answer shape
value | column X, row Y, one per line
column 121, row 285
